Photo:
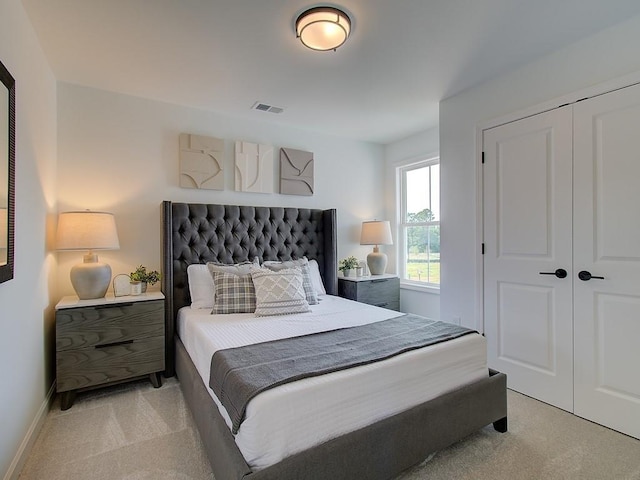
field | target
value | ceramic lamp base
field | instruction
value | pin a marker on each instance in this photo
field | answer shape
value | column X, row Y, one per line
column 91, row 278
column 377, row 262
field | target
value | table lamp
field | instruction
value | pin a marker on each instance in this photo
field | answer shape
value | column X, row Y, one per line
column 376, row 232
column 87, row 230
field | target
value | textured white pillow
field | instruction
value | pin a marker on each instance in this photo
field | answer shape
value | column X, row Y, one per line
column 201, row 286
column 316, row 279
column 309, row 290
column 279, row 293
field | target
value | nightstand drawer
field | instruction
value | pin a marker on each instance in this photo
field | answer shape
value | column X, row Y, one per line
column 86, row 367
column 106, row 324
column 381, row 292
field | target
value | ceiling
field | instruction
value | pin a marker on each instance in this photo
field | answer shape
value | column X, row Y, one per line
column 384, row 84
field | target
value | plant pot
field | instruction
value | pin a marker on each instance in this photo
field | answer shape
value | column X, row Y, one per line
column 349, row 272
column 144, row 287
column 136, row 287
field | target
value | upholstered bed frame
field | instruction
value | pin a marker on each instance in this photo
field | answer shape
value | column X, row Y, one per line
column 199, row 233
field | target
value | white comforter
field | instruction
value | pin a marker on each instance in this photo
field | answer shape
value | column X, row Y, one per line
column 296, row 416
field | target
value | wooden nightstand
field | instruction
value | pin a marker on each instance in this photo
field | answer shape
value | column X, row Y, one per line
column 108, row 340
column 380, row 290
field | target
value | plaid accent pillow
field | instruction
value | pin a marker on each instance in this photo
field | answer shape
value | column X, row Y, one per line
column 233, row 293
column 242, row 268
column 309, row 291
column 279, row 293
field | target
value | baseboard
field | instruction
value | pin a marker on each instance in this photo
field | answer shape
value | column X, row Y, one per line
column 32, row 434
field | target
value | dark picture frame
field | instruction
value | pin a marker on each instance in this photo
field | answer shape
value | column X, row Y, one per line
column 8, row 201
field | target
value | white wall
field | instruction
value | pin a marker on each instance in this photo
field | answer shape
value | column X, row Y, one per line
column 120, row 154
column 611, row 54
column 409, row 150
column 26, row 302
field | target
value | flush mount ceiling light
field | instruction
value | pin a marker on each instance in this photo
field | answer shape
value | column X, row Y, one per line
column 323, row 28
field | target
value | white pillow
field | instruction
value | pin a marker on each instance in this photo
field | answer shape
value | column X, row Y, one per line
column 201, row 286
column 316, row 279
column 242, row 268
column 279, row 293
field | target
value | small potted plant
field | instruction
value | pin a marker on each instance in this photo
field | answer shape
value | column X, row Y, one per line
column 348, row 266
column 144, row 277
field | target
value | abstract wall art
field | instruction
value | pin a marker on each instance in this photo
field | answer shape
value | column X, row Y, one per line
column 201, row 162
column 296, row 172
column 254, row 167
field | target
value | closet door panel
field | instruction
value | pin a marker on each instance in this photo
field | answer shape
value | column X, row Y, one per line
column 607, row 244
column 527, row 230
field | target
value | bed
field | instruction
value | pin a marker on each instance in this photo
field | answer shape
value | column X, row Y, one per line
column 200, row 233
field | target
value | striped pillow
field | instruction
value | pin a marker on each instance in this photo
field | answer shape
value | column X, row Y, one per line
column 279, row 293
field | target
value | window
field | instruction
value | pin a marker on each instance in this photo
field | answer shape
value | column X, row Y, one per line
column 419, row 225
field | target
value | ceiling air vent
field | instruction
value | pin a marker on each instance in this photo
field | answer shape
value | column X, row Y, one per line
column 263, row 107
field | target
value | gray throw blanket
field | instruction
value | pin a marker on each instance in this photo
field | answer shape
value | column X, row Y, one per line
column 239, row 374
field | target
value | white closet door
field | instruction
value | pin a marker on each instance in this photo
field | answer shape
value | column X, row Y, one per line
column 607, row 244
column 527, row 230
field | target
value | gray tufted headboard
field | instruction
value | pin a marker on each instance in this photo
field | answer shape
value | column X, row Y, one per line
column 200, row 233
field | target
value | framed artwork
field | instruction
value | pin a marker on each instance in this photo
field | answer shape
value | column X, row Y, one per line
column 121, row 285
column 7, row 172
column 254, row 167
column 296, row 172
column 201, row 162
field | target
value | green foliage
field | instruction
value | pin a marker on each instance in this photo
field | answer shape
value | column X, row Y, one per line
column 141, row 275
column 348, row 263
column 423, row 239
column 425, row 215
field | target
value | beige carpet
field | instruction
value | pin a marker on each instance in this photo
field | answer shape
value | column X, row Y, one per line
column 136, row 432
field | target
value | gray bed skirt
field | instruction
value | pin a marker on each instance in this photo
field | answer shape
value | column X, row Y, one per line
column 378, row 451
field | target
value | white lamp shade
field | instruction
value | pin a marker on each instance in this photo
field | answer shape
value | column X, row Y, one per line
column 87, row 230
column 4, row 228
column 323, row 28
column 377, row 232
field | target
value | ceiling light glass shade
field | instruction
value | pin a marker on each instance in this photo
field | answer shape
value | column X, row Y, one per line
column 90, row 231
column 323, row 28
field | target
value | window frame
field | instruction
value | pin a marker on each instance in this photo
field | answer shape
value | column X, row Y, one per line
column 402, row 225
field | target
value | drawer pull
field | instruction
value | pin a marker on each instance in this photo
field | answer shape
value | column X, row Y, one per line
column 380, row 280
column 125, row 342
column 382, row 304
column 102, row 307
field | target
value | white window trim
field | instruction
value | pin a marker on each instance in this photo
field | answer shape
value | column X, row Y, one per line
column 419, row 287
column 401, row 208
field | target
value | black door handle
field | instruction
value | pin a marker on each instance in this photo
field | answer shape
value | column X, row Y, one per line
column 560, row 273
column 586, row 276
